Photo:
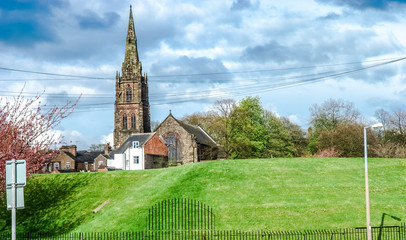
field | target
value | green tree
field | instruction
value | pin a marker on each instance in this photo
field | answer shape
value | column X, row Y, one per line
column 279, row 142
column 247, row 131
column 298, row 136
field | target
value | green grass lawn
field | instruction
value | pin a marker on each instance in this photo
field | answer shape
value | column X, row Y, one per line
column 256, row 194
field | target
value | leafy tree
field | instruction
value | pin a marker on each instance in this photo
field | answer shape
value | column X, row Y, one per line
column 298, row 136
column 247, row 130
column 25, row 126
column 255, row 132
column 280, row 142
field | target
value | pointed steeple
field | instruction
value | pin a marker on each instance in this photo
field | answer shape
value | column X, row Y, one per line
column 131, row 108
column 131, row 53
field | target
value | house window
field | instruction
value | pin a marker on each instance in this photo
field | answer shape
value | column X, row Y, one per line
column 100, row 163
column 67, row 165
column 136, row 144
column 86, row 165
column 133, row 121
column 136, row 159
column 124, row 121
column 128, row 95
column 56, row 165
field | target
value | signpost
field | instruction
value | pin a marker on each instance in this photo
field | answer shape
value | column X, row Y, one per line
column 16, row 179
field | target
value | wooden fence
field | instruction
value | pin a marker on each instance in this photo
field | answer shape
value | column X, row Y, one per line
column 384, row 233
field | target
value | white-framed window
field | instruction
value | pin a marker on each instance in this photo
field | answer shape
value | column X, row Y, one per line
column 100, row 163
column 136, row 159
column 136, row 144
column 67, row 165
column 56, row 165
column 86, row 166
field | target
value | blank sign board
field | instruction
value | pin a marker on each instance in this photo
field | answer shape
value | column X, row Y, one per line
column 21, row 179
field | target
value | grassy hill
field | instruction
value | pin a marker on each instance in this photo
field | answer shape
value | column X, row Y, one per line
column 275, row 194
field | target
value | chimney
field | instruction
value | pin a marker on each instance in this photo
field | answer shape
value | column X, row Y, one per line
column 107, row 148
column 70, row 149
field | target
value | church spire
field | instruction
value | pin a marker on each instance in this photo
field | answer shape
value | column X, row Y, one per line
column 131, row 52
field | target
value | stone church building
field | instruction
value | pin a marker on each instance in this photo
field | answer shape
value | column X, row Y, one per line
column 186, row 143
column 131, row 108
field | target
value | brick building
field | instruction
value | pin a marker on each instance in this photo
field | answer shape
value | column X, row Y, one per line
column 131, row 108
column 140, row 151
column 71, row 160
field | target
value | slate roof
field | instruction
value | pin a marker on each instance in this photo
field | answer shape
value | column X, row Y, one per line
column 109, row 156
column 69, row 154
column 140, row 137
column 201, row 136
column 85, row 156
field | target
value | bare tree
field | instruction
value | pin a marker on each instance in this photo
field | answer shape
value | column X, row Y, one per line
column 332, row 113
column 394, row 126
column 224, row 109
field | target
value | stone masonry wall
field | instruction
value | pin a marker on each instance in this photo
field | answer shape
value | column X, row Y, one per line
column 188, row 145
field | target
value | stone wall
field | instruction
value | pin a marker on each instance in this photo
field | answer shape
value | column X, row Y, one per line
column 187, row 146
column 155, row 161
column 98, row 159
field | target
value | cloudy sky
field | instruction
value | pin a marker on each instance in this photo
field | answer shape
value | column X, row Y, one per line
column 291, row 53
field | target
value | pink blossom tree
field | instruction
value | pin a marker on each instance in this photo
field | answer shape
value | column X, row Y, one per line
column 25, row 132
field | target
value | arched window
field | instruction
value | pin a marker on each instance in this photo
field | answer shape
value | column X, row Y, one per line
column 124, row 121
column 171, row 139
column 133, row 121
column 174, row 148
column 128, row 94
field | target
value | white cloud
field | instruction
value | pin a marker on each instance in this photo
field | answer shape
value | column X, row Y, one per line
column 208, row 36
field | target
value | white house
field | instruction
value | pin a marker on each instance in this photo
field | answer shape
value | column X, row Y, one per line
column 140, row 151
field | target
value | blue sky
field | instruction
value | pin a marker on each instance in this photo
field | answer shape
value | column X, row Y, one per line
column 292, row 54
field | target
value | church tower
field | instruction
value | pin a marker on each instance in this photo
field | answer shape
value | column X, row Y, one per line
column 131, row 108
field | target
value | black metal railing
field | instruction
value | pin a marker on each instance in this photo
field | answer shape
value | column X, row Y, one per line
column 384, row 233
column 180, row 214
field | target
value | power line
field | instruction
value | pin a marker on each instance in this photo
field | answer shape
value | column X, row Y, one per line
column 81, row 77
column 252, row 88
column 50, row 74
